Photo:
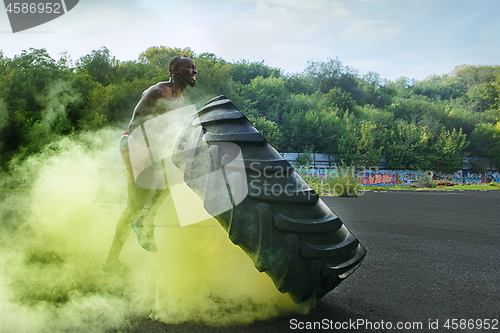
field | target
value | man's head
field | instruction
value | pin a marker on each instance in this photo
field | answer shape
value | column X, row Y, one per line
column 182, row 69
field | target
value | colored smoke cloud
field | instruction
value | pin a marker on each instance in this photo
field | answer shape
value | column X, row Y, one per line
column 56, row 236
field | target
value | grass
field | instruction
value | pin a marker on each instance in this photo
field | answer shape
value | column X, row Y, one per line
column 341, row 181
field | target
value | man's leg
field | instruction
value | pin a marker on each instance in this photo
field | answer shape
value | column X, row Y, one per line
column 137, row 197
column 155, row 204
column 144, row 226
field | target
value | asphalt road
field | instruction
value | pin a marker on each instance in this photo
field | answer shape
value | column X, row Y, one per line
column 432, row 256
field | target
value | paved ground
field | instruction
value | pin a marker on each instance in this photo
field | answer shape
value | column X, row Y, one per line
column 431, row 256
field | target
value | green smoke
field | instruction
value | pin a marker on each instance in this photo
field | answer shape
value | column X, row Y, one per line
column 56, row 237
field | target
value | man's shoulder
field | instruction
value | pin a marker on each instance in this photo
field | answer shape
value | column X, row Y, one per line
column 158, row 90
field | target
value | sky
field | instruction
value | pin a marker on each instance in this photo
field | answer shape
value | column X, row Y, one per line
column 393, row 38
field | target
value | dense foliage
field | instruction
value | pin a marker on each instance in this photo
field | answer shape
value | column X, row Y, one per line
column 328, row 108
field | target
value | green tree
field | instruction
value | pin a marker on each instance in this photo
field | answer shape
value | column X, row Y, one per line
column 359, row 142
column 100, row 65
column 132, row 70
column 332, row 73
column 484, row 96
column 341, row 99
column 496, row 152
column 400, row 87
column 309, row 121
column 159, row 56
column 485, row 141
column 371, row 85
column 265, row 97
column 298, row 83
column 269, row 129
column 25, row 79
column 419, row 110
column 448, row 151
column 214, row 79
column 244, row 71
column 407, row 146
column 438, row 87
column 468, row 75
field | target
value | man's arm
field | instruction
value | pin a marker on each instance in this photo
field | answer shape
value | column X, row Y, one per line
column 146, row 106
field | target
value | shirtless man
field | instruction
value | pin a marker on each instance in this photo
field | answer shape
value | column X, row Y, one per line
column 182, row 72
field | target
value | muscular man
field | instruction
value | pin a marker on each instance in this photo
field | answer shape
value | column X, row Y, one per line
column 182, row 72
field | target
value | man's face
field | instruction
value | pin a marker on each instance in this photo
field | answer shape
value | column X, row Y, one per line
column 187, row 71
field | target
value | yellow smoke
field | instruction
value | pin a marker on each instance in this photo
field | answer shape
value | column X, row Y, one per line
column 61, row 233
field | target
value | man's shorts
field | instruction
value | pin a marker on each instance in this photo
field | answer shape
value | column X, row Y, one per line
column 126, row 144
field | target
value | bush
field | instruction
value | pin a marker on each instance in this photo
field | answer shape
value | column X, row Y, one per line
column 315, row 181
column 303, row 160
column 424, row 183
column 344, row 182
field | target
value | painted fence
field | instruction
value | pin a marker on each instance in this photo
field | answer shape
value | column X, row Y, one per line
column 406, row 177
column 486, row 178
column 371, row 177
column 323, row 164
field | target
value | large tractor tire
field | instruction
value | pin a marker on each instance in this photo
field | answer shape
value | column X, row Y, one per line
column 282, row 224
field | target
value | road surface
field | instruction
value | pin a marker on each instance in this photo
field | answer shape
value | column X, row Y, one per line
column 432, row 256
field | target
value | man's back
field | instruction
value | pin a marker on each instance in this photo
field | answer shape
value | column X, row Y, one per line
column 155, row 100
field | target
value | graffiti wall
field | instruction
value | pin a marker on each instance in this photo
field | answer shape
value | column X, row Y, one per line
column 391, row 177
column 406, row 177
column 487, row 177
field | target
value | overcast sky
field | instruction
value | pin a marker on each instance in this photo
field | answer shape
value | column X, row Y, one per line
column 391, row 37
